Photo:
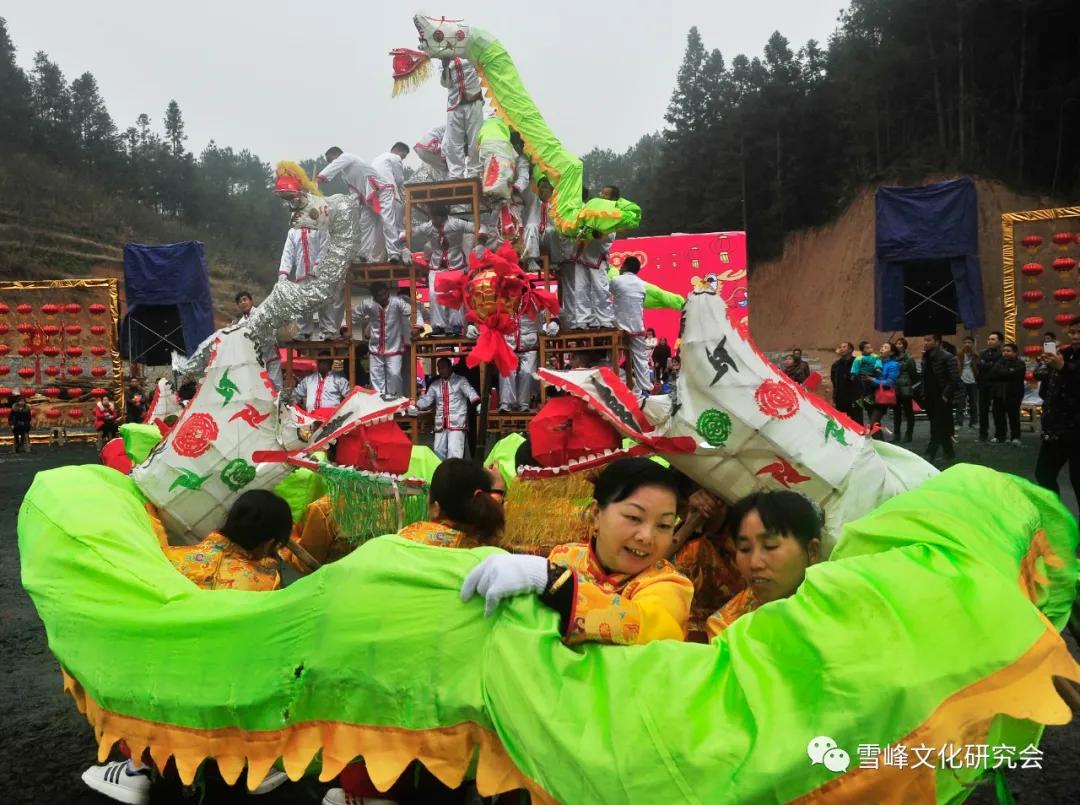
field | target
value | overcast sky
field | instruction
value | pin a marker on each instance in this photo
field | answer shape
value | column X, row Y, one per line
column 288, row 79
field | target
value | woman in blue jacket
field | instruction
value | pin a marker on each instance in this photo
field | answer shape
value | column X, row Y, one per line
column 884, row 383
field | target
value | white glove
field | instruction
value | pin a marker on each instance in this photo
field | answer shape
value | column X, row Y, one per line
column 504, row 575
column 472, row 332
column 551, row 329
column 412, row 410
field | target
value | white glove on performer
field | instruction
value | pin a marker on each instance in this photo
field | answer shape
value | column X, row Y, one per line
column 471, row 332
column 505, row 575
column 551, row 329
column 412, row 410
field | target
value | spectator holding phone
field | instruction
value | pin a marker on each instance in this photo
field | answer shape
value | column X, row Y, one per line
column 1059, row 373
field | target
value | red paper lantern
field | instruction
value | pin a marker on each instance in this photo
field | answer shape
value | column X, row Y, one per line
column 75, row 371
column 54, row 413
column 52, row 371
column 27, row 391
column 1031, row 243
column 74, row 392
column 24, row 309
column 100, row 392
column 25, row 350
column 74, row 308
column 1031, row 350
column 51, row 329
column 5, row 413
column 73, row 329
column 50, row 309
column 73, row 352
column 1064, row 296
column 26, row 372
column 97, row 329
column 4, row 328
column 1034, row 322
column 4, row 369
column 4, row 349
column 1064, row 319
column 74, row 413
column 51, row 351
column 1029, row 376
column 1064, row 240
column 1064, row 264
column 97, row 308
column 98, row 351
column 99, row 371
column 6, row 392
column 1032, row 297
column 24, row 328
column 52, row 392
column 4, row 309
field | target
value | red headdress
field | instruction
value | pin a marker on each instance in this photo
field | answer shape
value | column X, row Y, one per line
column 411, row 69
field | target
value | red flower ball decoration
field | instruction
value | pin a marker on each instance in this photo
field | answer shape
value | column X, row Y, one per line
column 6, row 392
column 50, row 310
column 74, row 308
column 1033, row 297
column 1065, row 295
column 73, row 352
column 52, row 371
column 4, row 369
column 25, row 351
column 4, row 349
column 52, row 392
column 1033, row 322
column 51, row 351
column 26, row 372
column 195, row 436
column 24, row 309
column 97, row 329
column 97, row 308
column 74, row 392
column 24, row 328
column 777, row 399
column 1031, row 243
column 54, row 413
column 4, row 328
column 1064, row 264
column 73, row 329
column 98, row 351
column 1031, row 350
column 1063, row 319
column 28, row 391
column 1064, row 240
column 98, row 392
column 99, row 371
column 51, row 329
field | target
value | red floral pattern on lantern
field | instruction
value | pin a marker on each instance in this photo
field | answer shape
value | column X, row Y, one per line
column 1064, row 264
column 97, row 308
column 777, row 399
column 195, row 436
column 74, row 308
column 1034, row 322
column 99, row 371
column 97, row 329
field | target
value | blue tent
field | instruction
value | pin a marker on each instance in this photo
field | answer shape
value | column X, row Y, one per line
column 167, row 289
column 926, row 231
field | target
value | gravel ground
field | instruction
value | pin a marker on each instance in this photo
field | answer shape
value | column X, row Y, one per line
column 47, row 744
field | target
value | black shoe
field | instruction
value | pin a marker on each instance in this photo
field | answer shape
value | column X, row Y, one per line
column 438, row 331
column 395, row 259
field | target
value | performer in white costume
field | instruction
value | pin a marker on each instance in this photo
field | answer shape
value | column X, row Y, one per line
column 464, row 115
column 451, row 395
column 444, row 241
column 363, row 182
column 430, row 150
column 322, row 390
column 516, row 390
column 586, row 301
column 391, row 195
column 628, row 295
column 268, row 353
column 389, row 319
column 299, row 263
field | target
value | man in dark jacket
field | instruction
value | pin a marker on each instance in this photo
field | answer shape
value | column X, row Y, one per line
column 1060, row 373
column 1008, row 382
column 940, row 382
column 845, row 387
column 984, row 368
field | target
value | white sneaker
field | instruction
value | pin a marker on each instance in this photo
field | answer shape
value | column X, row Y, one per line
column 994, row 441
column 1015, row 442
column 272, row 780
column 337, row 796
column 117, row 781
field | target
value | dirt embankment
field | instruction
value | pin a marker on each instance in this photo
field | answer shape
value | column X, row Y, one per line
column 821, row 290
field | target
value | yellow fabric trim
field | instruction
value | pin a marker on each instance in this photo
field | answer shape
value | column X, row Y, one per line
column 1008, row 255
column 446, row 752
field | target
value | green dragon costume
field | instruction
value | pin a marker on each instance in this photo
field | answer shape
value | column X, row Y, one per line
column 936, row 621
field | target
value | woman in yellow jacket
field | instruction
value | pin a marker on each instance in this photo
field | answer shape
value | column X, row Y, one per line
column 617, row 587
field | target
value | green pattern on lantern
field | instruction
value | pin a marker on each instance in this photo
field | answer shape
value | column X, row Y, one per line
column 189, row 480
column 836, row 430
column 237, row 474
column 714, row 426
column 226, row 388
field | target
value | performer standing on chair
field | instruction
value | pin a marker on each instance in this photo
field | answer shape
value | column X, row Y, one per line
column 464, row 115
column 299, row 263
column 587, row 304
column 430, row 150
column 516, row 390
column 389, row 319
column 391, row 193
column 363, row 182
column 444, row 248
column 628, row 292
column 450, row 394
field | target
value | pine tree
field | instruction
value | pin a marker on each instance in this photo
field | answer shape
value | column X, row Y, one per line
column 15, row 111
column 91, row 121
column 174, row 128
column 686, row 109
column 51, row 103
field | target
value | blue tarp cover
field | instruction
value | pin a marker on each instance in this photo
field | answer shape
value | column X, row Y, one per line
column 936, row 222
column 171, row 274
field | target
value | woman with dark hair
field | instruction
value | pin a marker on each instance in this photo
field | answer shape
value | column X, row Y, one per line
column 618, row 587
column 884, row 383
column 777, row 536
column 904, row 412
column 465, row 507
